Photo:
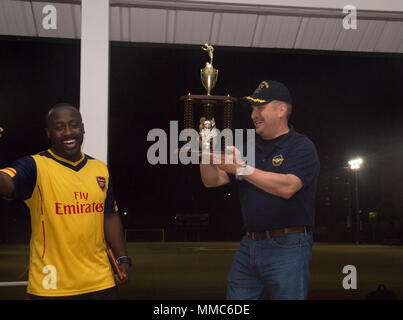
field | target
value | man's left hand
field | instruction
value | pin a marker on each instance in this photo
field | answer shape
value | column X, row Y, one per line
column 125, row 268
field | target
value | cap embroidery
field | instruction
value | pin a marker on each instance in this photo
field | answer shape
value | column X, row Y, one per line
column 255, row 100
column 262, row 85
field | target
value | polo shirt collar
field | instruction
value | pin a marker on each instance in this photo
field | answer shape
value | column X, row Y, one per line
column 268, row 146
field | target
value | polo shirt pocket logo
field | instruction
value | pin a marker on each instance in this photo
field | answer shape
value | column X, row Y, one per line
column 277, row 160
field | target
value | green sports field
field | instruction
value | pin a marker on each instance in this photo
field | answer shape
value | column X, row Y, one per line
column 198, row 270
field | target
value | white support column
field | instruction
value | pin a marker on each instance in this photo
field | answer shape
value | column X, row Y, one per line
column 94, row 80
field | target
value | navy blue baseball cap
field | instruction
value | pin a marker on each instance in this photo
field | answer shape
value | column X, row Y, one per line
column 268, row 91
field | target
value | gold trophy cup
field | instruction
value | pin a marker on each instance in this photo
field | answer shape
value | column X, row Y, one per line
column 209, row 74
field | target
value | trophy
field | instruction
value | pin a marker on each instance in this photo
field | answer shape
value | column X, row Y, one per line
column 209, row 74
column 208, row 103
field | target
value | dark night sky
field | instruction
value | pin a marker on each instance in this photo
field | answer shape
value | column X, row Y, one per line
column 347, row 104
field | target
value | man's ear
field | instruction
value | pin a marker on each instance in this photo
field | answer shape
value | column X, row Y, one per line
column 47, row 133
column 283, row 109
column 82, row 124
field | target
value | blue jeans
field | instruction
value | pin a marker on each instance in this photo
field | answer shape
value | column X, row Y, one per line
column 273, row 268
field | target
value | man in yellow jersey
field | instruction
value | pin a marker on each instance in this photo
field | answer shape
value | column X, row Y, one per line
column 73, row 215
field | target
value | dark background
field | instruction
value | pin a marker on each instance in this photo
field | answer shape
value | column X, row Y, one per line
column 348, row 104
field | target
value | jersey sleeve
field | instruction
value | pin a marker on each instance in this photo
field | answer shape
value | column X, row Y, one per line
column 23, row 173
column 110, row 202
column 303, row 162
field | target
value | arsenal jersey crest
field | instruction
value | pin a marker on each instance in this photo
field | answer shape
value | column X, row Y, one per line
column 101, row 182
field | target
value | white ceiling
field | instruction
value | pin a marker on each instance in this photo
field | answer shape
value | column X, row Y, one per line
column 223, row 23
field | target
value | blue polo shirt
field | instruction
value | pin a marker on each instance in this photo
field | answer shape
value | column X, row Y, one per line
column 291, row 153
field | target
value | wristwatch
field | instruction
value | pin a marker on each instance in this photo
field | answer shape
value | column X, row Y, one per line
column 241, row 172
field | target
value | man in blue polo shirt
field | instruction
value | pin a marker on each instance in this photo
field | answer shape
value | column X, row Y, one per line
column 277, row 200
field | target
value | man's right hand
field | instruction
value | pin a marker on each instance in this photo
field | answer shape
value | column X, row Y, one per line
column 1, row 130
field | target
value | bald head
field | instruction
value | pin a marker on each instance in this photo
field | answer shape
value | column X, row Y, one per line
column 59, row 108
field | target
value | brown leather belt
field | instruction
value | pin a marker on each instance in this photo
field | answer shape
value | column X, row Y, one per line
column 277, row 233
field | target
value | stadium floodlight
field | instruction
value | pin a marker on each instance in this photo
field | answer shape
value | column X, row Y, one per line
column 355, row 163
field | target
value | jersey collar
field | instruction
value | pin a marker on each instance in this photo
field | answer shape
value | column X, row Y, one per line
column 76, row 166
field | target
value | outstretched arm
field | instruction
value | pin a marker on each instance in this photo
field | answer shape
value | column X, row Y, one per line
column 212, row 176
column 6, row 183
column 278, row 184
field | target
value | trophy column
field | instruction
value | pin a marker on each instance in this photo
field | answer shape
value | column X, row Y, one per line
column 188, row 112
column 228, row 108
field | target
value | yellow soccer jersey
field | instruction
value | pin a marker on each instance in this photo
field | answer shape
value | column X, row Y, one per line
column 67, row 201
